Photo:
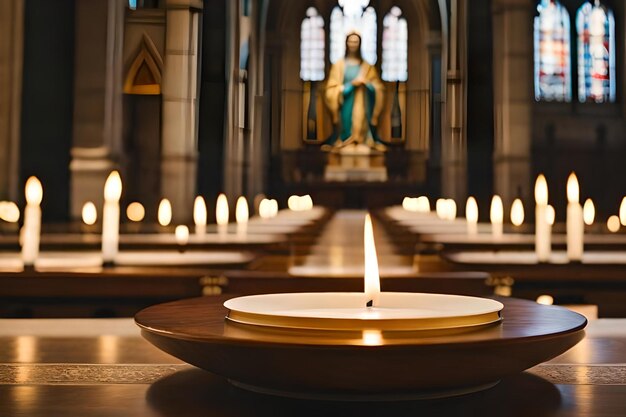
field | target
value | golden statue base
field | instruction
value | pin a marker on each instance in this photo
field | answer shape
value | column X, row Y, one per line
column 356, row 163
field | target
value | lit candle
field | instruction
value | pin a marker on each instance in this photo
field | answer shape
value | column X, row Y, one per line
column 241, row 216
column 164, row 213
column 9, row 212
column 199, row 215
column 517, row 212
column 589, row 212
column 543, row 230
column 89, row 213
column 574, row 222
column 441, row 208
column 221, row 215
column 496, row 214
column 32, row 222
column 550, row 216
column 274, row 208
column 408, row 204
column 451, row 209
column 181, row 234
column 265, row 209
column 471, row 215
column 293, row 203
column 111, row 217
column 372, row 279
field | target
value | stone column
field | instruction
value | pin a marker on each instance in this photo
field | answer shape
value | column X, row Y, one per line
column 513, row 97
column 454, row 139
column 97, row 133
column 11, row 52
column 179, row 147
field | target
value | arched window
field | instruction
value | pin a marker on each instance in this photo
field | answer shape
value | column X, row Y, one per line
column 395, row 36
column 595, row 26
column 312, row 45
column 132, row 4
column 353, row 15
column 552, row 52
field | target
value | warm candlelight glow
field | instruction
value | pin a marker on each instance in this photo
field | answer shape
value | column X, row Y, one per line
column 422, row 204
column 451, row 209
column 221, row 210
column 589, row 212
column 372, row 279
column 293, row 203
column 550, row 215
column 541, row 190
column 274, row 208
column 408, row 204
column 89, row 213
column 440, row 208
column 372, row 337
column 471, row 210
column 164, row 214
column 9, row 212
column 182, row 234
column 306, row 203
column 34, row 191
column 613, row 224
column 199, row 211
column 135, row 212
column 546, row 300
column 241, row 210
column 113, row 187
column 622, row 212
column 496, row 213
column 517, row 212
column 572, row 189
column 265, row 209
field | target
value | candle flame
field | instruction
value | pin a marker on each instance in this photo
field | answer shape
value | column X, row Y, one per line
column 541, row 190
column 89, row 213
column 241, row 210
column 409, row 204
column 113, row 187
column 573, row 190
column 372, row 337
column 199, row 211
column 372, row 279
column 181, row 234
column 589, row 212
column 517, row 212
column 307, row 203
column 496, row 212
column 265, row 209
column 545, row 299
column 221, row 210
column 9, row 212
column 33, row 191
column 164, row 213
column 622, row 212
column 274, row 208
column 135, row 212
column 550, row 215
column 471, row 210
column 613, row 224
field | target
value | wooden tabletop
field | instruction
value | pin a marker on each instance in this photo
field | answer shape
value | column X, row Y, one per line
column 102, row 367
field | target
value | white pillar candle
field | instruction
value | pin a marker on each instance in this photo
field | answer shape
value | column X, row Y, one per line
column 32, row 222
column 496, row 214
column 543, row 231
column 574, row 222
column 241, row 216
column 111, row 217
column 221, row 215
column 471, row 216
column 199, row 215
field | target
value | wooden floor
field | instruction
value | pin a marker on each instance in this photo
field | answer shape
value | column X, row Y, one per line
column 102, row 367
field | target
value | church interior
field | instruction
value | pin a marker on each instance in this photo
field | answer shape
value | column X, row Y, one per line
column 312, row 207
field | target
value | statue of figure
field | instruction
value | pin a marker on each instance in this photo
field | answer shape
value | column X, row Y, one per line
column 354, row 95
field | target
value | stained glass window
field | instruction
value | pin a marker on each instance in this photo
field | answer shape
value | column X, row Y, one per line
column 395, row 36
column 312, row 46
column 132, row 4
column 595, row 26
column 552, row 52
column 349, row 16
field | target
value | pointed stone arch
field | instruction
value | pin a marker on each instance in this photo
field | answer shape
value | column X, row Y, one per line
column 144, row 75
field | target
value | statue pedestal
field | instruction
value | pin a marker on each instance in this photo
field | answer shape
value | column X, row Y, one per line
column 356, row 165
